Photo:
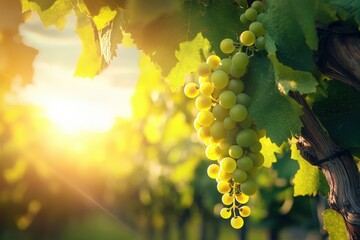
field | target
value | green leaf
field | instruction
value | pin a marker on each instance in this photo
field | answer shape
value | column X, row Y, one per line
column 268, row 150
column 293, row 80
column 350, row 7
column 306, row 180
column 334, row 225
column 43, row 4
column 291, row 25
column 276, row 113
column 189, row 55
column 325, row 13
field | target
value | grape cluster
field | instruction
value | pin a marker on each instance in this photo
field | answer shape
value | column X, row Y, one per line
column 223, row 122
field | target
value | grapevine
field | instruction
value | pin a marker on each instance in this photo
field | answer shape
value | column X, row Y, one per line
column 224, row 123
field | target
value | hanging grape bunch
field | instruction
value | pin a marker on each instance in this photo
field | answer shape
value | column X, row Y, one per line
column 223, row 122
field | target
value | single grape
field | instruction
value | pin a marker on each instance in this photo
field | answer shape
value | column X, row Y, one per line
column 255, row 147
column 237, row 72
column 225, row 65
column 191, row 90
column 245, row 211
column 235, row 85
column 224, row 176
column 220, row 79
column 245, row 163
column 257, row 28
column 227, row 99
column 204, row 69
column 237, row 222
column 212, row 152
column 238, row 113
column 213, row 61
column 219, row 112
column 213, row 170
column 249, row 187
column 229, row 124
column 243, row 19
column 258, row 5
column 227, row 199
column 251, row 14
column 204, row 133
column 228, row 165
column 217, row 130
column 223, row 187
column 240, row 60
column 242, row 198
column 247, row 38
column 227, row 46
column 203, row 103
column 260, row 43
column 235, row 151
column 205, row 118
column 246, row 137
column 243, row 99
column 225, row 213
column 240, row 176
column 258, row 158
column 197, row 125
column 206, row 88
column 247, row 122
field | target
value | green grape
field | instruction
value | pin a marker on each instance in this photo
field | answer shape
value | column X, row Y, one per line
column 224, row 176
column 247, row 122
column 242, row 198
column 228, row 165
column 245, row 211
column 227, row 46
column 240, row 175
column 240, row 60
column 258, row 158
column 249, row 187
column 223, row 187
column 236, row 72
column 213, row 170
column 225, row 65
column 235, row 85
column 245, row 163
column 237, row 222
column 227, row 99
column 220, row 79
column 246, row 137
column 227, row 199
column 238, row 113
column 204, row 69
column 203, row 103
column 255, row 147
column 258, row 5
column 212, row 152
column 206, row 88
column 225, row 213
column 229, row 124
column 260, row 17
column 205, row 118
column 260, row 43
column 235, row 151
column 243, row 19
column 217, row 130
column 243, row 99
column 251, row 14
column 247, row 38
column 220, row 113
column 191, row 90
column 257, row 28
column 224, row 145
column 213, row 61
column 251, row 173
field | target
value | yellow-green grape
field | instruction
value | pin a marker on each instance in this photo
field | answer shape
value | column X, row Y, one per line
column 223, row 187
column 191, row 90
column 227, row 99
column 258, row 158
column 243, row 19
column 251, row 14
column 240, row 60
column 247, row 38
column 237, row 72
column 235, row 85
column 229, row 124
column 217, row 130
column 212, row 152
column 220, row 113
column 245, row 163
column 258, row 5
column 206, row 88
column 224, row 146
column 255, row 147
column 245, row 211
column 249, row 187
column 213, row 61
column 237, row 222
column 227, row 199
column 257, row 28
column 235, row 151
column 224, row 176
column 205, row 118
column 260, row 43
column 225, row 213
column 227, row 46
column 203, row 79
column 239, row 175
column 242, row 198
column 243, row 99
column 238, row 113
column 204, row 133
column 225, row 65
column 203, row 103
column 197, row 125
column 246, row 137
column 248, row 122
column 220, row 79
column 204, row 69
column 228, row 164
column 251, row 173
column 213, row 170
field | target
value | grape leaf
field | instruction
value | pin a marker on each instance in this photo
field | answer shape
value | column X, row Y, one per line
column 189, row 56
column 306, row 180
column 325, row 13
column 352, row 8
column 43, row 4
column 334, row 225
column 276, row 113
column 268, row 150
column 293, row 80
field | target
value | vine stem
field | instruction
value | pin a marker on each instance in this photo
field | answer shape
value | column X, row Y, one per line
column 340, row 170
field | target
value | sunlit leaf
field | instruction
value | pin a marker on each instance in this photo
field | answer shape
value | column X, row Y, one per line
column 268, row 150
column 334, row 225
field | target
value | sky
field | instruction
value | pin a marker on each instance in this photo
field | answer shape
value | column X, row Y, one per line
column 76, row 103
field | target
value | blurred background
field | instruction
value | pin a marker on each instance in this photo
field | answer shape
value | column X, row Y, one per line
column 114, row 157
